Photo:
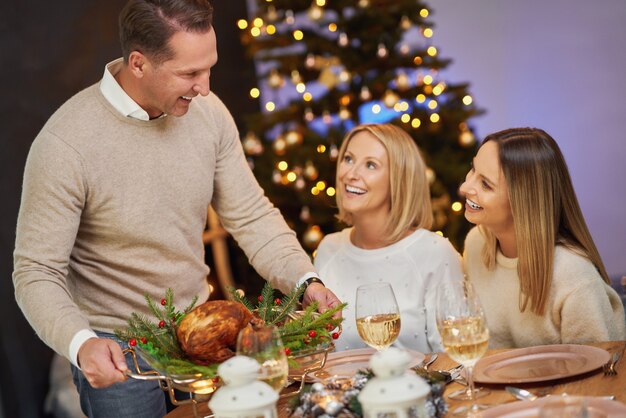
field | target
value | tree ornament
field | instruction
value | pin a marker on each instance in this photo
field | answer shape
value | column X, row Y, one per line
column 275, row 80
column 402, row 81
column 390, row 98
column 405, row 23
column 382, row 52
column 163, row 302
column 132, row 342
column 335, row 335
column 293, row 138
column 343, row 40
column 365, row 94
column 333, row 153
column 277, row 301
column 315, row 12
column 312, row 236
column 280, row 145
column 312, row 333
column 161, row 324
column 143, row 340
column 289, row 17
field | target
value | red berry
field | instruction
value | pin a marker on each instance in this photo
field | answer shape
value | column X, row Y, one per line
column 330, row 327
column 143, row 340
column 161, row 324
column 277, row 301
column 163, row 302
column 287, row 351
column 335, row 335
column 215, row 380
column 306, row 340
column 260, row 298
column 312, row 333
column 132, row 342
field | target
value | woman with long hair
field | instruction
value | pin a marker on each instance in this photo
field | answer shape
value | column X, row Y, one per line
column 383, row 196
column 531, row 257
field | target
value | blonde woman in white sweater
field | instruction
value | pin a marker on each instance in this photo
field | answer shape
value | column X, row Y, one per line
column 532, row 259
column 384, row 198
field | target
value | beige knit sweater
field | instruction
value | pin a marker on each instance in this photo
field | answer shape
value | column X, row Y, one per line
column 581, row 307
column 113, row 208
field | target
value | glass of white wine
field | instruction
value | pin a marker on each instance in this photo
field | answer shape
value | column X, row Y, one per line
column 463, row 330
column 377, row 315
column 265, row 346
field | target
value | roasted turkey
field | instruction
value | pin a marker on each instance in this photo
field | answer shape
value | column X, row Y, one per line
column 208, row 334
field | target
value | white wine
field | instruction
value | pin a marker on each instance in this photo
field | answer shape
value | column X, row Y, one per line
column 465, row 340
column 274, row 373
column 379, row 331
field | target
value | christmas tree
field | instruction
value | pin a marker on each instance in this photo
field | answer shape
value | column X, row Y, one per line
column 324, row 67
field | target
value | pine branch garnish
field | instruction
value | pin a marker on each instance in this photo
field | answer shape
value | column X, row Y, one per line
column 266, row 303
column 300, row 330
column 238, row 297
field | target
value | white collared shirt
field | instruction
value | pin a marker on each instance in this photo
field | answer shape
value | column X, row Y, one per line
column 116, row 95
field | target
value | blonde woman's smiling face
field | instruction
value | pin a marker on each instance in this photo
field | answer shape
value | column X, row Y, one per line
column 363, row 176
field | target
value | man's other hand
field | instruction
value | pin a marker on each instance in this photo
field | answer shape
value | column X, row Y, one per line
column 102, row 362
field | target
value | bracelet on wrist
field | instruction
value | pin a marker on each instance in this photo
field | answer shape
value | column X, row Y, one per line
column 309, row 281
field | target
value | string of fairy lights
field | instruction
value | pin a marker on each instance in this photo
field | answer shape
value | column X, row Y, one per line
column 313, row 79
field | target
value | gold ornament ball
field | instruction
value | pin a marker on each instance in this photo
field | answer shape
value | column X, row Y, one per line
column 312, row 237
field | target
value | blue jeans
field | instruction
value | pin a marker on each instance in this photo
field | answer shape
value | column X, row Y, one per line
column 130, row 399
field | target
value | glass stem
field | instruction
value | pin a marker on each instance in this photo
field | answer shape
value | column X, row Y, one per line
column 470, row 387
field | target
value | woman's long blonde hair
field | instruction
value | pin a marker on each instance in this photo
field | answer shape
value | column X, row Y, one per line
column 410, row 194
column 545, row 210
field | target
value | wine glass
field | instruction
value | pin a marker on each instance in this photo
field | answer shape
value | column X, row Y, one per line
column 463, row 330
column 377, row 315
column 265, row 346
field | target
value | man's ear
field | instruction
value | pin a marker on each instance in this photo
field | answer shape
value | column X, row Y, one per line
column 137, row 63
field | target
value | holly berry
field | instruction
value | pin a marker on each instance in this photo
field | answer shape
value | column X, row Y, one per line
column 161, row 324
column 144, row 340
column 260, row 298
column 312, row 333
column 287, row 351
column 335, row 335
column 163, row 302
column 132, row 342
column 277, row 301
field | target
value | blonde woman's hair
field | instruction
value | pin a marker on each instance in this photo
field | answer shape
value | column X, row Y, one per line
column 410, row 206
column 545, row 210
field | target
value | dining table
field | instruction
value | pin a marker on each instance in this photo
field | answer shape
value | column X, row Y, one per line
column 593, row 383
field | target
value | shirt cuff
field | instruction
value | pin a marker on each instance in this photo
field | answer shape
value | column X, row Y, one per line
column 77, row 342
column 306, row 277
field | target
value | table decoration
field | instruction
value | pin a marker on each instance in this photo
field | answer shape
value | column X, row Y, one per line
column 243, row 396
column 338, row 396
column 393, row 391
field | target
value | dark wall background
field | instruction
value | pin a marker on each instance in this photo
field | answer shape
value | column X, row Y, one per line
column 49, row 51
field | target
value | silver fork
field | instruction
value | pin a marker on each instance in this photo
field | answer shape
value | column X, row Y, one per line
column 609, row 368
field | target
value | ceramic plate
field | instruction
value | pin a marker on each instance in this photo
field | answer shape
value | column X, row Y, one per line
column 539, row 364
column 530, row 409
column 347, row 363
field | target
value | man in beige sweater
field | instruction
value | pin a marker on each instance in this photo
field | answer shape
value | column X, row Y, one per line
column 115, row 196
